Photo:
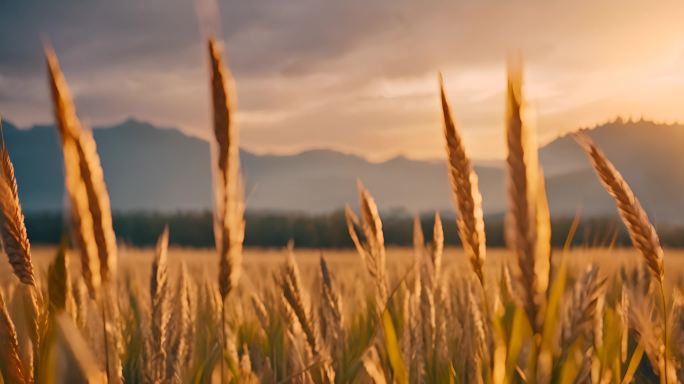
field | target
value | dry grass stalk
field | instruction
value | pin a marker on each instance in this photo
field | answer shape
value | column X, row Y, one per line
column 352, row 222
column 59, row 285
column 159, row 291
column 641, row 231
column 476, row 329
column 428, row 319
column 98, row 202
column 373, row 366
column 12, row 228
column 437, row 245
column 526, row 198
column 465, row 192
column 229, row 215
column 90, row 170
column 332, row 320
column 582, row 310
column 77, row 352
column 418, row 238
column 260, row 311
column 11, row 362
column 82, row 221
column 375, row 240
column 18, row 248
column 623, row 311
column 182, row 330
column 295, row 296
column 418, row 255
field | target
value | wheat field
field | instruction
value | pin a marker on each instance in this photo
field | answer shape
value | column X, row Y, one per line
column 93, row 310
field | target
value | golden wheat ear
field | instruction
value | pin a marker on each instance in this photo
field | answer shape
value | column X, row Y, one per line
column 12, row 229
column 10, row 364
column 464, row 191
column 297, row 299
column 375, row 240
column 81, row 218
column 641, row 231
column 90, row 170
column 527, row 226
column 229, row 210
column 159, row 292
column 59, row 283
column 80, row 364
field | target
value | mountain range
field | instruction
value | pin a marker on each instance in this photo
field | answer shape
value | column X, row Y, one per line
column 148, row 168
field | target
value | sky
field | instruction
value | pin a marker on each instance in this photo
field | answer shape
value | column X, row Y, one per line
column 358, row 76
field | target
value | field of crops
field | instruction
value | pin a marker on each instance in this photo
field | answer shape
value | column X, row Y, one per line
column 95, row 311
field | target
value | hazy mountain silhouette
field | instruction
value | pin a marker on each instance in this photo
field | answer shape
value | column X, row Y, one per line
column 153, row 169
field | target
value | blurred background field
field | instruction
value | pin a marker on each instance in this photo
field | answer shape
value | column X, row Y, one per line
column 262, row 264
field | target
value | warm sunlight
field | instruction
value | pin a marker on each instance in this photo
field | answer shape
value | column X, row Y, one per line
column 385, row 191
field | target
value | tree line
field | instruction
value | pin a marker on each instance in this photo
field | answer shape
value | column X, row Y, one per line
column 275, row 229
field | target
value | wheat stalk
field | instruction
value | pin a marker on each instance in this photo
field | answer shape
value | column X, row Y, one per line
column 373, row 366
column 9, row 351
column 641, row 231
column 295, row 296
column 332, row 320
column 526, row 216
column 99, row 205
column 82, row 221
column 465, row 192
column 183, row 326
column 18, row 248
column 582, row 309
column 352, row 221
column 372, row 229
column 229, row 216
column 437, row 245
column 59, row 285
column 418, row 238
column 12, row 228
column 90, row 170
column 159, row 290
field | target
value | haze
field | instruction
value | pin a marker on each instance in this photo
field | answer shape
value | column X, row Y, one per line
column 357, row 76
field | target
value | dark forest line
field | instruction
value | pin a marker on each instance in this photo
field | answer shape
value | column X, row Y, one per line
column 271, row 229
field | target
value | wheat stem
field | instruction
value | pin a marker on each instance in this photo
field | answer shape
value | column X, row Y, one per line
column 664, row 309
column 104, row 334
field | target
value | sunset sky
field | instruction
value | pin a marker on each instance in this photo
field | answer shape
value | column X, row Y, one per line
column 355, row 75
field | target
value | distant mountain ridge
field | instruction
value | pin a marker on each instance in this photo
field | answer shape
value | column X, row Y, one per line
column 153, row 169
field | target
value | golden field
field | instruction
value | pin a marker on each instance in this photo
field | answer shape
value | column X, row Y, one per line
column 260, row 265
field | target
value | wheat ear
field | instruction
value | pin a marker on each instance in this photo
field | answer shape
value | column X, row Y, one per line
column 372, row 229
column 437, row 245
column 184, row 321
column 229, row 214
column 59, row 284
column 82, row 221
column 465, row 192
column 18, row 248
column 12, row 228
column 11, row 362
column 641, row 231
column 90, row 170
column 331, row 316
column 159, row 291
column 582, row 308
column 526, row 201
column 295, row 296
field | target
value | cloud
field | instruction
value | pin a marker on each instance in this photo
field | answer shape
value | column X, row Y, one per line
column 355, row 75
